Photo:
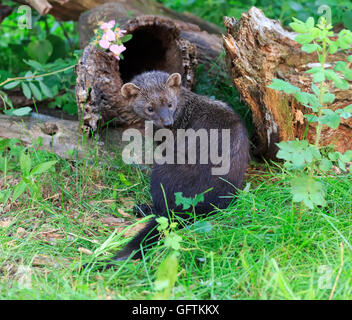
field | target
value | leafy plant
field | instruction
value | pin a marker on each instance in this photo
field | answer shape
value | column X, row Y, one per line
column 39, row 61
column 12, row 154
column 166, row 274
column 301, row 157
column 45, row 81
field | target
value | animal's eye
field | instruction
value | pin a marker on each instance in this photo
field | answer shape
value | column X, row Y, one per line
column 150, row 109
column 170, row 105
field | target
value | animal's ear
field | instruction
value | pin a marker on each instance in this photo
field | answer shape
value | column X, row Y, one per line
column 174, row 81
column 130, row 90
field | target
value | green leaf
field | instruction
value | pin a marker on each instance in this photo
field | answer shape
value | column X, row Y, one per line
column 310, row 23
column 309, row 191
column 325, row 165
column 281, row 85
column 28, row 75
column 20, row 112
column 172, row 241
column 298, row 154
column 19, row 189
column 201, row 227
column 163, row 223
column 333, row 47
column 5, row 195
column 188, row 202
column 45, row 89
column 25, row 163
column 166, row 276
column 310, row 47
column 35, row 91
column 304, row 38
column 348, row 108
column 347, row 74
column 333, row 155
column 11, row 85
column 341, row 165
column 328, row 98
column 42, row 167
column 339, row 83
column 316, row 90
column 299, row 27
column 34, row 64
column 26, row 91
column 319, row 76
column 314, row 70
column 308, row 100
column 124, row 180
column 126, row 38
column 340, row 66
column 346, row 157
column 6, row 99
column 40, row 50
column 331, row 119
column 311, row 117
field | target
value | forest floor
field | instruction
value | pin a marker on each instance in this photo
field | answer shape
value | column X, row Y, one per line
column 262, row 247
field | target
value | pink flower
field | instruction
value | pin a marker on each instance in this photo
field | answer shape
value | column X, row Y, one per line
column 117, row 50
column 107, row 26
column 121, row 33
column 109, row 35
column 104, row 43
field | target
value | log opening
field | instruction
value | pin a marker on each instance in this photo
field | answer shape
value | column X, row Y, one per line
column 151, row 48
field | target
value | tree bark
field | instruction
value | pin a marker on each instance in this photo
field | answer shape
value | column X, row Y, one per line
column 158, row 43
column 258, row 50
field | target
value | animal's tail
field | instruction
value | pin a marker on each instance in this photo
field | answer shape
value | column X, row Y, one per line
column 145, row 238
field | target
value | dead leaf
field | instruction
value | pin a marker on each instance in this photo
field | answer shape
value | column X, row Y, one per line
column 5, row 223
column 127, row 202
column 123, row 213
column 112, row 221
column 299, row 116
column 85, row 251
column 21, row 232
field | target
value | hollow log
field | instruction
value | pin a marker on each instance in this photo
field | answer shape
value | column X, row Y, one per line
column 158, row 43
column 258, row 50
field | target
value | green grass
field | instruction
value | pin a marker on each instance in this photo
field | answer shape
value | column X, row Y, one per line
column 262, row 247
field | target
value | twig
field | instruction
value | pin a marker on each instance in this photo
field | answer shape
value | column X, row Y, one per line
column 42, row 6
column 36, row 76
column 338, row 274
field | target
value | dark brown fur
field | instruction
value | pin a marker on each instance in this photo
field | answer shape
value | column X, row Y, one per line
column 179, row 108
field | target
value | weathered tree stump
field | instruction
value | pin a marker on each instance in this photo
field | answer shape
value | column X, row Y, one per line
column 158, row 43
column 258, row 49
